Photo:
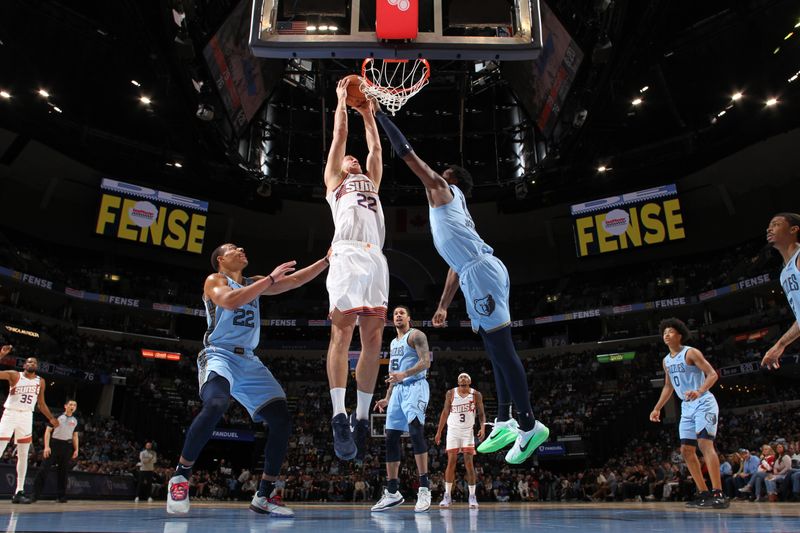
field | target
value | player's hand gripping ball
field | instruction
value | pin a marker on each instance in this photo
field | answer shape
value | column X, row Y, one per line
column 355, row 98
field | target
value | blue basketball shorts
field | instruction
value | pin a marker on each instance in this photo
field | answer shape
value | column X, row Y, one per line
column 252, row 384
column 485, row 285
column 408, row 401
column 697, row 416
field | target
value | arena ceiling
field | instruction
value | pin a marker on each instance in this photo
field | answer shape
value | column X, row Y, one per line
column 692, row 57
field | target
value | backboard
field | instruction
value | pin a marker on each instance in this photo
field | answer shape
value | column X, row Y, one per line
column 479, row 30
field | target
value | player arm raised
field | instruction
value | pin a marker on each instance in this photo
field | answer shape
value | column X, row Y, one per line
column 375, row 156
column 333, row 172
column 435, row 185
column 40, row 403
column 481, row 414
column 449, row 292
column 773, row 355
column 299, row 278
column 666, row 392
column 448, row 402
column 418, row 341
column 695, row 357
column 218, row 290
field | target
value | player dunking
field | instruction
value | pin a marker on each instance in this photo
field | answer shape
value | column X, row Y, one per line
column 228, row 367
column 405, row 404
column 484, row 281
column 25, row 392
column 688, row 373
column 458, row 413
column 358, row 281
column 784, row 235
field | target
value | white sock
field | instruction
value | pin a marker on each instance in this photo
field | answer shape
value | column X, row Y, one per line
column 363, row 404
column 472, row 490
column 447, row 487
column 337, row 400
column 22, row 464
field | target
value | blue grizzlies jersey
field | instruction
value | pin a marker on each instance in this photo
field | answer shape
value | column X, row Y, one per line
column 402, row 357
column 454, row 234
column 790, row 281
column 239, row 327
column 684, row 377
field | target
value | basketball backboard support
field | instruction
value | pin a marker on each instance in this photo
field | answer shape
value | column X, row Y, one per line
column 445, row 31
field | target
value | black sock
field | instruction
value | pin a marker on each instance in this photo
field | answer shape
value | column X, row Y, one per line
column 392, row 485
column 423, row 481
column 265, row 488
column 183, row 470
column 503, row 412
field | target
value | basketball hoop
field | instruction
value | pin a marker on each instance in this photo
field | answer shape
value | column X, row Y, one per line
column 393, row 81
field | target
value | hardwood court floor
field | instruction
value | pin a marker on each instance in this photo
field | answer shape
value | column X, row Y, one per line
column 124, row 517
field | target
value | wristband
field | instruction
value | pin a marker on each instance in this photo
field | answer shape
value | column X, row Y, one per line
column 271, row 279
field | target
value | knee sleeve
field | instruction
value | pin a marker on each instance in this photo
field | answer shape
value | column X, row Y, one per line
column 393, row 445
column 216, row 394
column 417, row 432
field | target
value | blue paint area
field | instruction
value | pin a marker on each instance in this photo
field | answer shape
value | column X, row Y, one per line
column 402, row 520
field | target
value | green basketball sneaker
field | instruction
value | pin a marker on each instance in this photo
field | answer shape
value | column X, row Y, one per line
column 527, row 442
column 503, row 434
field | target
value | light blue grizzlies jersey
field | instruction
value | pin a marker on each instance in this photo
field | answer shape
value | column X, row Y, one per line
column 684, row 377
column 239, row 327
column 402, row 357
column 454, row 234
column 790, row 281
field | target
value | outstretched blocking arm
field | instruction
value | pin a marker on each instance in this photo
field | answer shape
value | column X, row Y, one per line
column 217, row 289
column 448, row 402
column 773, row 355
column 449, row 292
column 666, row 392
column 333, row 174
column 435, row 186
column 299, row 278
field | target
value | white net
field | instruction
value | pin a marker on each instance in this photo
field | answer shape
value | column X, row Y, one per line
column 393, row 81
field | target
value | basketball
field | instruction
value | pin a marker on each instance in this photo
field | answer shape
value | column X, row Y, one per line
column 355, row 98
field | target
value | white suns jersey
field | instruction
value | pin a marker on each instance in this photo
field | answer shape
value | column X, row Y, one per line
column 357, row 211
column 462, row 411
column 23, row 395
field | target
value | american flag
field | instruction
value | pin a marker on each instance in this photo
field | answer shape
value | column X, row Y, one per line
column 292, row 27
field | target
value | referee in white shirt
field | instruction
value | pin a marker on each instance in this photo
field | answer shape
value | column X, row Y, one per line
column 60, row 446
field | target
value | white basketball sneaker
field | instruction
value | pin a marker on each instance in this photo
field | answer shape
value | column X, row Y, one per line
column 273, row 506
column 389, row 499
column 473, row 501
column 446, row 501
column 423, row 500
column 178, row 495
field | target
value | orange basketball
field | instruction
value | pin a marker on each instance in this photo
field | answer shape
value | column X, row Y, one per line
column 355, row 98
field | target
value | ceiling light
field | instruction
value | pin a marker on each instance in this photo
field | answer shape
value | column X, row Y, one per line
column 5, row 94
column 602, row 168
column 145, row 100
column 134, row 82
column 721, row 113
column 636, row 101
column 43, row 93
column 178, row 165
column 333, row 28
column 788, row 36
column 736, row 96
column 771, row 102
column 777, row 49
column 793, row 78
column 57, row 109
column 323, row 28
column 311, row 28
column 644, row 89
